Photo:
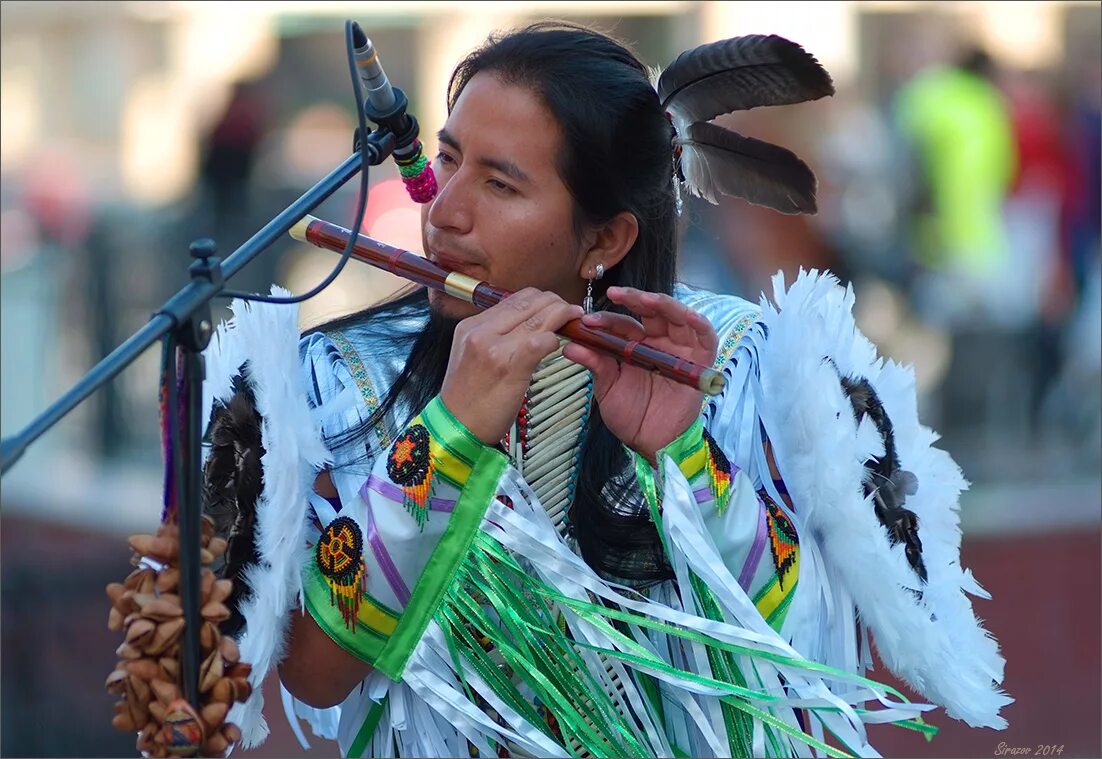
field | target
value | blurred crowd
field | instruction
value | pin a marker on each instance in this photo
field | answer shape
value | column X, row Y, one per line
column 963, row 205
column 959, row 198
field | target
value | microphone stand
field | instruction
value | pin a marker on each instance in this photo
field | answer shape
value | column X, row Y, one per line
column 185, row 322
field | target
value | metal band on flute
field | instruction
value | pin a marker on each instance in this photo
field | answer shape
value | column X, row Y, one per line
column 484, row 295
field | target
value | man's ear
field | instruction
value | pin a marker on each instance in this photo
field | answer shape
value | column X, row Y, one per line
column 611, row 243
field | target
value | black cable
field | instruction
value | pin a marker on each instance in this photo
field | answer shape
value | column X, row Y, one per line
column 360, row 205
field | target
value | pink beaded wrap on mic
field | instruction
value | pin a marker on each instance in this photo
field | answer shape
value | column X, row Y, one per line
column 417, row 175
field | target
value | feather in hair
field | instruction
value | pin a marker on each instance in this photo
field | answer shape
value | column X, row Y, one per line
column 737, row 74
column 715, row 160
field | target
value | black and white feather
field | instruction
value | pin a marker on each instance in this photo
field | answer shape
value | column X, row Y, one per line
column 731, row 75
column 718, row 161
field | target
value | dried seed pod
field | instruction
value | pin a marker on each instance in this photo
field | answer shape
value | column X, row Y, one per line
column 208, row 636
column 215, row 611
column 165, row 691
column 214, row 714
column 164, row 549
column 139, row 711
column 160, row 610
column 223, row 691
column 205, row 556
column 210, row 672
column 170, row 665
column 139, row 631
column 241, row 669
column 145, row 738
column 116, row 681
column 215, row 745
column 114, row 620
column 114, row 591
column 141, row 600
column 140, row 689
column 145, row 668
column 222, row 590
column 217, row 546
column 126, row 604
column 232, row 732
column 157, row 711
column 127, row 651
column 123, row 722
column 168, row 579
column 206, row 583
column 231, row 654
column 148, row 583
column 166, row 635
column 241, row 689
column 135, row 578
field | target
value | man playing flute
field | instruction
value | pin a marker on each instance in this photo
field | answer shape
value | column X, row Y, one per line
column 465, row 538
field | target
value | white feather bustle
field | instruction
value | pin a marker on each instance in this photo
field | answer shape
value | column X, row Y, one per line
column 266, row 336
column 936, row 644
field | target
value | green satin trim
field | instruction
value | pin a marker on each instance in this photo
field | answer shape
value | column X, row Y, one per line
column 535, row 651
column 440, row 571
column 450, row 432
column 361, row 641
column 368, row 728
column 740, row 729
column 636, row 654
column 601, row 616
column 685, row 445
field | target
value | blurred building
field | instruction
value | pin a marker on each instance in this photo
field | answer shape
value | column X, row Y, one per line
column 131, row 128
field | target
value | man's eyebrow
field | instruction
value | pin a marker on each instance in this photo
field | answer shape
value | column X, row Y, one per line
column 508, row 168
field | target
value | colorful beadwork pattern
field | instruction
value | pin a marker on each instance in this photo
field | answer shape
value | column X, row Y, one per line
column 783, row 541
column 341, row 560
column 409, row 465
column 719, row 473
column 417, row 175
column 362, row 380
column 732, row 341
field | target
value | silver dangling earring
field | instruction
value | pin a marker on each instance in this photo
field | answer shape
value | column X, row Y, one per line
column 587, row 304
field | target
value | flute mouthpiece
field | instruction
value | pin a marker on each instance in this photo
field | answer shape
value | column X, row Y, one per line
column 298, row 231
column 712, row 382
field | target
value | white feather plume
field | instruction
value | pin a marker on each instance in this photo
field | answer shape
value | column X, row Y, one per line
column 266, row 336
column 936, row 644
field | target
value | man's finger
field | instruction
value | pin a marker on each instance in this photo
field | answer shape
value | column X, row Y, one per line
column 650, row 304
column 518, row 309
column 621, row 325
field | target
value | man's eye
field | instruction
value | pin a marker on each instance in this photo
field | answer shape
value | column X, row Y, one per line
column 444, row 159
column 500, row 186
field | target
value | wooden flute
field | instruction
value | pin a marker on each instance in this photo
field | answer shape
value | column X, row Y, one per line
column 417, row 269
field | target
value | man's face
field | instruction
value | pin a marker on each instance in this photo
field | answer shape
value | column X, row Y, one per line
column 503, row 214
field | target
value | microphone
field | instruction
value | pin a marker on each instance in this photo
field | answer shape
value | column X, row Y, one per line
column 386, row 106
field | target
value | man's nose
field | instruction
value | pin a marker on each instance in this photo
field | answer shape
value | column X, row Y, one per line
column 450, row 209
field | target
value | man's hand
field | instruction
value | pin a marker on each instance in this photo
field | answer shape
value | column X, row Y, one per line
column 643, row 409
column 493, row 356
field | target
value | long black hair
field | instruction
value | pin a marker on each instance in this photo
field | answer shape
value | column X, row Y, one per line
column 616, row 156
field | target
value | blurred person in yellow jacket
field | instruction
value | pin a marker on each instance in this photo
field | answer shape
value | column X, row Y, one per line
column 959, row 128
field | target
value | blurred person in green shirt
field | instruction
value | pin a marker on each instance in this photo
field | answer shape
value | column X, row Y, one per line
column 958, row 126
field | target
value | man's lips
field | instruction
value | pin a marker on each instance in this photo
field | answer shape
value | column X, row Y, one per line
column 450, row 262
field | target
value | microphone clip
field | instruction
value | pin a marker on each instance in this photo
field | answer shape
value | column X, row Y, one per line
column 380, row 144
column 397, row 121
